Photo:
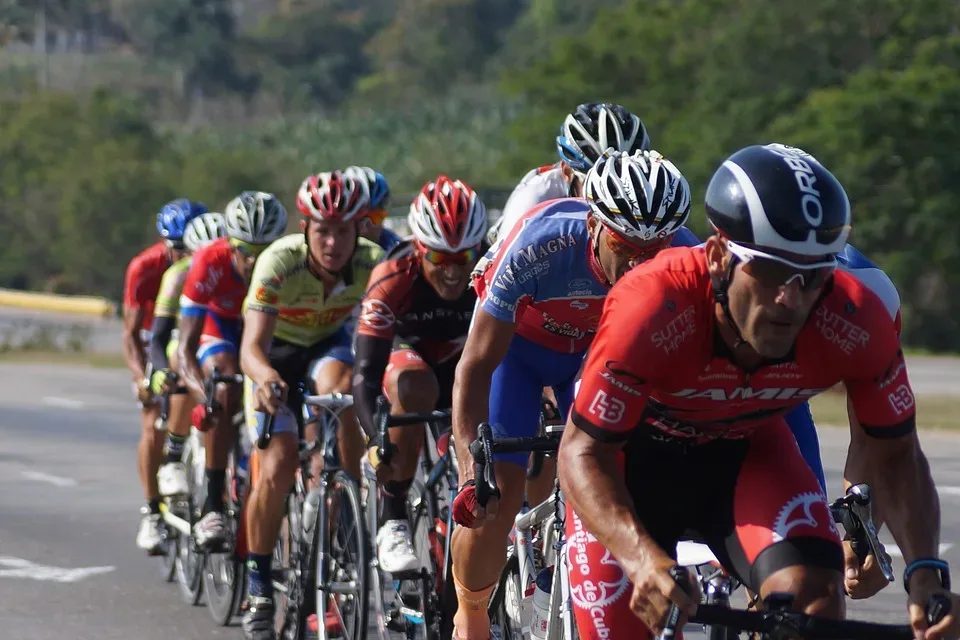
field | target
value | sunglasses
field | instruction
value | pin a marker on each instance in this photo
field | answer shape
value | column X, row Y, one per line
column 774, row 271
column 633, row 253
column 440, row 258
column 248, row 249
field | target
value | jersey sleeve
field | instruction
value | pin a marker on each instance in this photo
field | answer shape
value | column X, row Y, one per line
column 168, row 299
column 510, row 281
column 619, row 372
column 134, row 293
column 196, row 291
column 267, row 283
column 881, row 395
column 389, row 286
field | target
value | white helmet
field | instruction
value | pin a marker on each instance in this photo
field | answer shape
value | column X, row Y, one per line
column 255, row 217
column 203, row 230
column 447, row 215
column 641, row 196
column 593, row 128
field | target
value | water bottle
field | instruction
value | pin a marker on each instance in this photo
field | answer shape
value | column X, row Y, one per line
column 541, row 604
column 310, row 507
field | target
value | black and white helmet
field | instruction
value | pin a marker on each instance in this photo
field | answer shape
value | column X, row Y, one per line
column 640, row 197
column 780, row 198
column 593, row 128
column 203, row 230
column 255, row 217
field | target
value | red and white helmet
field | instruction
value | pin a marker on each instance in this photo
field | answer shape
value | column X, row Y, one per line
column 333, row 195
column 447, row 215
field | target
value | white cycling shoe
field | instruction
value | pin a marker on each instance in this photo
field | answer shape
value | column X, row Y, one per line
column 395, row 547
column 150, row 535
column 172, row 479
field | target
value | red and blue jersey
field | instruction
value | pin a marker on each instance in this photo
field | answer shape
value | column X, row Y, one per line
column 543, row 273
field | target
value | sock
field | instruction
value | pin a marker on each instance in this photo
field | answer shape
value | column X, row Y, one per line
column 175, row 447
column 394, row 500
column 154, row 505
column 471, row 621
column 259, row 582
column 216, row 479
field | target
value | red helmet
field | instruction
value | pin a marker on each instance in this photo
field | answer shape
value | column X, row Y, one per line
column 333, row 195
column 447, row 215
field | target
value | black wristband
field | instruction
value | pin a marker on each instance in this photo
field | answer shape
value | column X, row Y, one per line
column 941, row 567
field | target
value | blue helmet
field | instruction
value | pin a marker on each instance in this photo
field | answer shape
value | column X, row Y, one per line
column 173, row 218
column 376, row 184
column 595, row 127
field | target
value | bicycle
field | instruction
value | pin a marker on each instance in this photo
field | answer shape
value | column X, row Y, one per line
column 171, row 550
column 420, row 603
column 511, row 602
column 309, row 555
column 181, row 513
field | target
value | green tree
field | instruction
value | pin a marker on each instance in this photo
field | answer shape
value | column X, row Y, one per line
column 891, row 136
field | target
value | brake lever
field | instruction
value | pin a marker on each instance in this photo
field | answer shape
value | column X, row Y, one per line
column 860, row 505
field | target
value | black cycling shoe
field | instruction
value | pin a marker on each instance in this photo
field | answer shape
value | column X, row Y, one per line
column 259, row 619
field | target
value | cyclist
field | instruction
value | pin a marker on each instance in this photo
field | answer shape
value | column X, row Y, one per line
column 210, row 327
column 540, row 299
column 141, row 284
column 586, row 133
column 698, row 356
column 199, row 232
column 304, row 290
column 413, row 323
column 372, row 227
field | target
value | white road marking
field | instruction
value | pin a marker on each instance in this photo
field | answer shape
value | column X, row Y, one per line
column 895, row 552
column 20, row 568
column 66, row 403
column 57, row 481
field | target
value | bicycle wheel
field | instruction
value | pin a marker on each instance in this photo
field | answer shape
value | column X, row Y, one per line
column 190, row 560
column 224, row 576
column 505, row 601
column 171, row 549
column 290, row 573
column 342, row 565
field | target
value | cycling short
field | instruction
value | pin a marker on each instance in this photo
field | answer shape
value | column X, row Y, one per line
column 405, row 356
column 754, row 501
column 294, row 363
column 800, row 421
column 220, row 335
column 517, row 387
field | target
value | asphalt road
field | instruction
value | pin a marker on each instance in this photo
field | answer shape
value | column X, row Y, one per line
column 69, row 567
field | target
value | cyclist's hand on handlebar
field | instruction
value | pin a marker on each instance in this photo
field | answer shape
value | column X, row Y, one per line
column 386, row 472
column 923, row 585
column 265, row 400
column 862, row 582
column 160, row 382
column 655, row 590
column 467, row 510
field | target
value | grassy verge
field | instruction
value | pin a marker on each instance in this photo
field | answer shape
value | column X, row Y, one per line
column 40, row 356
column 933, row 411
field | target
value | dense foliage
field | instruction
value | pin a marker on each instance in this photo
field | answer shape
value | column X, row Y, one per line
column 137, row 101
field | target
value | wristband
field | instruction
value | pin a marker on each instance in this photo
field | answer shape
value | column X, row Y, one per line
column 941, row 567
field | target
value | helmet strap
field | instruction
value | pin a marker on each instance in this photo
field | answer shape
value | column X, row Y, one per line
column 721, row 286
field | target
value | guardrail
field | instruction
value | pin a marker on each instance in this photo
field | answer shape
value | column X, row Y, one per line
column 84, row 305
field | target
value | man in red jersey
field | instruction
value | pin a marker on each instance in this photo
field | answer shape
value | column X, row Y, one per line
column 140, row 287
column 699, row 354
column 210, row 325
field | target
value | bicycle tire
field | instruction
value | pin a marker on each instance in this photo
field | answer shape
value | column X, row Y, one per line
column 288, row 561
column 429, row 549
column 343, row 495
column 224, row 575
column 190, row 560
column 505, row 605
column 171, row 548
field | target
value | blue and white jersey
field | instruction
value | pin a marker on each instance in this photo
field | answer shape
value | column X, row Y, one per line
column 542, row 273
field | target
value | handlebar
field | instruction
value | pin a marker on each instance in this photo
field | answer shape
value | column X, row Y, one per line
column 483, row 448
column 385, row 421
column 210, row 387
column 172, row 379
column 778, row 620
column 854, row 513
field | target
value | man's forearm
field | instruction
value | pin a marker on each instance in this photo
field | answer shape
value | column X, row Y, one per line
column 598, row 494
column 908, row 501
column 134, row 355
column 471, row 406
